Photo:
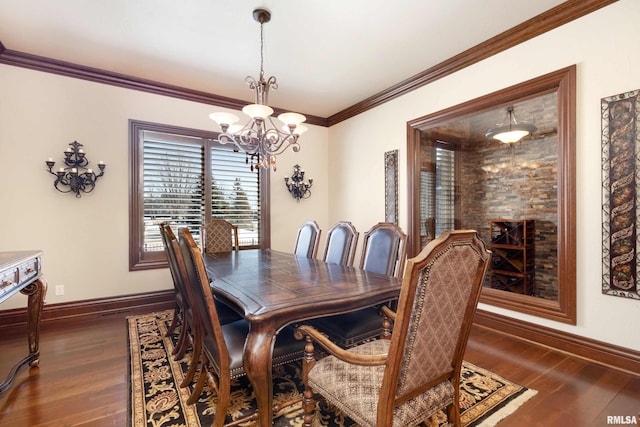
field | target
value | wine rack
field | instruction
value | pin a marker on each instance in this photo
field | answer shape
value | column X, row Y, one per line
column 513, row 255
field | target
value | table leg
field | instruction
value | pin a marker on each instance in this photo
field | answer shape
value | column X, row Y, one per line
column 257, row 359
column 37, row 292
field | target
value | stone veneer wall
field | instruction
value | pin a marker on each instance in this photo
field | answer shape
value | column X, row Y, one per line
column 510, row 181
column 515, row 182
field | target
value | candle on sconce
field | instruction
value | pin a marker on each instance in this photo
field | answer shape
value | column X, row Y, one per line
column 50, row 159
column 61, row 170
column 101, row 162
column 89, row 171
column 68, row 150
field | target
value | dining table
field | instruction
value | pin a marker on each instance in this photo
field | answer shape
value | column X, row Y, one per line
column 273, row 289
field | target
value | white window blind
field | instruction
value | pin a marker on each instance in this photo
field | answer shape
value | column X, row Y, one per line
column 235, row 194
column 176, row 171
column 437, row 188
column 173, row 182
column 445, row 190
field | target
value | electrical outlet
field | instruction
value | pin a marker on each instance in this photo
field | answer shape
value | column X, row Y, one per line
column 59, row 290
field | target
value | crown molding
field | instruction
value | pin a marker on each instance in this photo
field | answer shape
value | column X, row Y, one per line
column 553, row 18
column 69, row 69
column 547, row 21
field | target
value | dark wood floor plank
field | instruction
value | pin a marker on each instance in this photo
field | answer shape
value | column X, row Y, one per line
column 82, row 379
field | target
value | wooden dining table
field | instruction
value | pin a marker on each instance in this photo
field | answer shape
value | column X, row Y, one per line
column 275, row 289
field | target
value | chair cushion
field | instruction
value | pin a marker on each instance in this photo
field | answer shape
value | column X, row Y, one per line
column 286, row 349
column 355, row 389
column 352, row 328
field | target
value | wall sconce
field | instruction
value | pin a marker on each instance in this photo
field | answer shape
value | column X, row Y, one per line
column 76, row 177
column 297, row 187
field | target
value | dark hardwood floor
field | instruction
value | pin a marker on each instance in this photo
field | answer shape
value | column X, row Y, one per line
column 82, row 378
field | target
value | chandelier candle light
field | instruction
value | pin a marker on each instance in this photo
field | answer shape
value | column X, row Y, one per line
column 76, row 177
column 511, row 132
column 261, row 138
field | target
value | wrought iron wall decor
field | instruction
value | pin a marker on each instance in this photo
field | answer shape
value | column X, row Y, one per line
column 296, row 185
column 75, row 177
column 391, row 186
column 620, row 219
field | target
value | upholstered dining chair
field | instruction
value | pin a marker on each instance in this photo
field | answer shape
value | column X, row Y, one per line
column 180, row 296
column 384, row 249
column 404, row 380
column 307, row 240
column 219, row 235
column 183, row 313
column 383, row 252
column 219, row 347
column 340, row 247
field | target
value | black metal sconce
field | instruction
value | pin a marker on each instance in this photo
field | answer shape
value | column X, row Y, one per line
column 298, row 188
column 76, row 177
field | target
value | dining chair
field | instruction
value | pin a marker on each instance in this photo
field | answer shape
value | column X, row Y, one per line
column 183, row 313
column 219, row 235
column 307, row 240
column 219, row 348
column 383, row 252
column 340, row 247
column 179, row 294
column 403, row 380
column 384, row 249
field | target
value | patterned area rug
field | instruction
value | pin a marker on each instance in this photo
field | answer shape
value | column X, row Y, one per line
column 156, row 400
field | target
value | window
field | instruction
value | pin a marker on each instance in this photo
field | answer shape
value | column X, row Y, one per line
column 437, row 185
column 184, row 177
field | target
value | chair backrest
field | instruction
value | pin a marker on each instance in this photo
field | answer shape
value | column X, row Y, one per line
column 340, row 247
column 383, row 249
column 219, row 235
column 307, row 240
column 167, row 238
column 201, row 298
column 437, row 302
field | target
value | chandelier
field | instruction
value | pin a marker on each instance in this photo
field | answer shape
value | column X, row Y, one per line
column 261, row 138
column 512, row 131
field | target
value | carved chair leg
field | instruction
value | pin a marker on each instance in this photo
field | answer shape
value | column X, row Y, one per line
column 193, row 364
column 224, row 398
column 308, row 401
column 175, row 321
column 182, row 343
column 453, row 414
column 202, row 378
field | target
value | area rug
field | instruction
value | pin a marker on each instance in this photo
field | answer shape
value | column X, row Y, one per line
column 156, row 400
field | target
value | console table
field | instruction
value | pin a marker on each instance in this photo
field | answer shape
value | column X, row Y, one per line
column 21, row 272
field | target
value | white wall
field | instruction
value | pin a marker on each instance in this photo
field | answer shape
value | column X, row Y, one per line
column 85, row 240
column 604, row 45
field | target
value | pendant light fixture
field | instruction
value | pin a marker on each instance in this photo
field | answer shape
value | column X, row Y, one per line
column 262, row 138
column 512, row 131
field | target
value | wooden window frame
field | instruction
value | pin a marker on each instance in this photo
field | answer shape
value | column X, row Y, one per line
column 139, row 259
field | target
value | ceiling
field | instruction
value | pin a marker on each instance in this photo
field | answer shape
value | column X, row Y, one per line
column 326, row 54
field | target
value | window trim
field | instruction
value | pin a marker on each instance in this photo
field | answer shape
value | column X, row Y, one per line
column 139, row 259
